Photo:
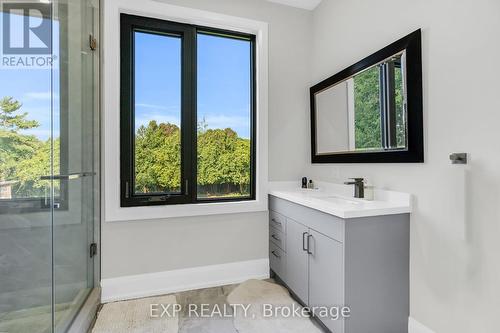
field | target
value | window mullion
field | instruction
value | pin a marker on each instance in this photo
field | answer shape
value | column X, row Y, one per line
column 188, row 124
column 391, row 104
column 194, row 115
column 388, row 105
column 383, row 105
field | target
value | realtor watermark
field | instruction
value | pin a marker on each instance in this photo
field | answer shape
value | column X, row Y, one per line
column 297, row 311
column 26, row 35
column 198, row 310
column 247, row 311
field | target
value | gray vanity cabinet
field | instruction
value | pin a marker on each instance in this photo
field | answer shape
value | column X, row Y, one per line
column 362, row 263
column 297, row 272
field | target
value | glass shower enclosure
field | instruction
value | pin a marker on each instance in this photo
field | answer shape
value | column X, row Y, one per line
column 49, row 162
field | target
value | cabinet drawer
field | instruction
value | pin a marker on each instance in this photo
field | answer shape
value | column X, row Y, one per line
column 326, row 224
column 277, row 238
column 277, row 260
column 277, row 221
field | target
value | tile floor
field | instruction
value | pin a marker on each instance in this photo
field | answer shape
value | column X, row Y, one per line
column 212, row 296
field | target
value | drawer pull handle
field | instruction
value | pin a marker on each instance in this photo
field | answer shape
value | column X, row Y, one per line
column 275, row 238
column 275, row 221
column 304, row 248
column 276, row 255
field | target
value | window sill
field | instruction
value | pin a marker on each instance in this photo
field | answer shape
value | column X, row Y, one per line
column 184, row 210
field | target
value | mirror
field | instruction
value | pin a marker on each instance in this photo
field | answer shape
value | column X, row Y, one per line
column 371, row 111
column 365, row 112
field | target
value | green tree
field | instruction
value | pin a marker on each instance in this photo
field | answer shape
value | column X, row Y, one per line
column 241, row 166
column 14, row 146
column 30, row 170
column 400, row 111
column 158, row 158
column 213, row 159
column 367, row 105
column 223, row 163
column 223, row 160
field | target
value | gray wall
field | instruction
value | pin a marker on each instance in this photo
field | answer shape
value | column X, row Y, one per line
column 455, row 271
column 160, row 245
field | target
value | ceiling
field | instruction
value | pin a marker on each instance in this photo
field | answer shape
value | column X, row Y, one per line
column 304, row 4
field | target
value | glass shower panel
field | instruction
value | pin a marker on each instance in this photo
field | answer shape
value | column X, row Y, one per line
column 75, row 87
column 48, row 162
column 26, row 156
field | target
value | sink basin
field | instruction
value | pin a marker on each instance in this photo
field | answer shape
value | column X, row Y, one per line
column 339, row 200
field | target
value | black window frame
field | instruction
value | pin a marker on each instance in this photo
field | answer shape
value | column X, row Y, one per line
column 388, row 112
column 189, row 161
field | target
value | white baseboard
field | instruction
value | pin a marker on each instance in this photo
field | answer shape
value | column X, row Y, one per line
column 153, row 284
column 416, row 327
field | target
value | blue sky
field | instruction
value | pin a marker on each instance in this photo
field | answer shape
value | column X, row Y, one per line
column 223, row 81
column 32, row 87
column 223, row 84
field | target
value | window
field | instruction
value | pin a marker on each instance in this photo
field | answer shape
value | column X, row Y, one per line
column 187, row 113
column 380, row 115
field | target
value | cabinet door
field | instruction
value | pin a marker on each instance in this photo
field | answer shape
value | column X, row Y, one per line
column 296, row 276
column 326, row 271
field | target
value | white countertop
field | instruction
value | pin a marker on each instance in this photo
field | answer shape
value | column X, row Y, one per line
column 337, row 200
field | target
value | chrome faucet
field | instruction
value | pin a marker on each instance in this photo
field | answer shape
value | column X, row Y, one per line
column 359, row 187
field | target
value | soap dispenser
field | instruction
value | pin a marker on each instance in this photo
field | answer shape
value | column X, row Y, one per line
column 304, row 182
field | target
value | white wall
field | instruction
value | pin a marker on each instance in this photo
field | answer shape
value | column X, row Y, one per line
column 160, row 245
column 332, row 119
column 455, row 270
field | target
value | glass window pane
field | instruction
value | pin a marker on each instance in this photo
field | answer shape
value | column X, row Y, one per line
column 25, row 119
column 400, row 108
column 224, row 116
column 367, row 105
column 157, row 119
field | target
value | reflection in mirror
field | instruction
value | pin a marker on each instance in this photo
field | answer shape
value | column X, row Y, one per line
column 365, row 112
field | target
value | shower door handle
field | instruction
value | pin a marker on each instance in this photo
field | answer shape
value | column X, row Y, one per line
column 70, row 176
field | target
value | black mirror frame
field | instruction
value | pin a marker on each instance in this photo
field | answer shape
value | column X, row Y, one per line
column 415, row 150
